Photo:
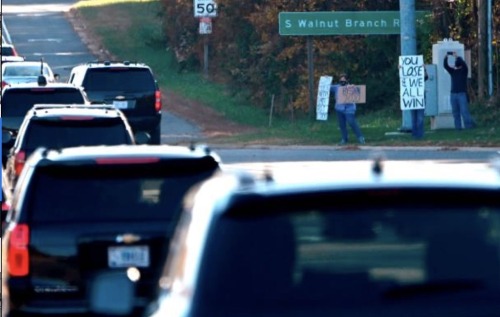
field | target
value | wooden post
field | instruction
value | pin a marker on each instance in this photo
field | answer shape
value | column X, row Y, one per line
column 310, row 66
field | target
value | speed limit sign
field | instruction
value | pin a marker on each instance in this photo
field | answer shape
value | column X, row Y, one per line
column 205, row 8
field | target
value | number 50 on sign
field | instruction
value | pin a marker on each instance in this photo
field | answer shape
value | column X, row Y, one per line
column 205, row 8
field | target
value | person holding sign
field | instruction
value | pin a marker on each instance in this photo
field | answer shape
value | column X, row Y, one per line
column 412, row 77
column 458, row 96
column 346, row 112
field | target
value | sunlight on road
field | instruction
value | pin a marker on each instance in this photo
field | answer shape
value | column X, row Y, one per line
column 35, row 9
column 96, row 3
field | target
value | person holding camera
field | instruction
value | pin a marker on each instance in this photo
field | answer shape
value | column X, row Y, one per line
column 346, row 113
column 458, row 95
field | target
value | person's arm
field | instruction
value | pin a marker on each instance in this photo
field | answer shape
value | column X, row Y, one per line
column 445, row 64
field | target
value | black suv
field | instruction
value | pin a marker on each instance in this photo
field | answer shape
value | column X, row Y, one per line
column 59, row 126
column 129, row 86
column 18, row 99
column 83, row 210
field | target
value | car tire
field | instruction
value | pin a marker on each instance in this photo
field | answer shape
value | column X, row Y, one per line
column 155, row 136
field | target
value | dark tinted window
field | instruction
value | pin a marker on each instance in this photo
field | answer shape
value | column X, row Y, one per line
column 66, row 133
column 354, row 258
column 16, row 102
column 108, row 192
column 119, row 79
column 7, row 51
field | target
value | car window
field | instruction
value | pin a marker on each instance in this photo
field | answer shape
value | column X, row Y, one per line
column 66, row 133
column 102, row 192
column 17, row 102
column 24, row 70
column 119, row 79
column 351, row 256
column 7, row 51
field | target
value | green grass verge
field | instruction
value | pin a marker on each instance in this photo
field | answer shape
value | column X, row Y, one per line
column 132, row 36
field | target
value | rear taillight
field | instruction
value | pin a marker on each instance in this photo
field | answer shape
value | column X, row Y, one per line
column 14, row 52
column 157, row 100
column 19, row 161
column 5, row 207
column 18, row 254
column 4, row 83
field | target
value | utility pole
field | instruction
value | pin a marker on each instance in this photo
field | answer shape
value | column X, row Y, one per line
column 408, row 45
column 481, row 48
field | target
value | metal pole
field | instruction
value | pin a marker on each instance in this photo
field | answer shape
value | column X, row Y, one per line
column 310, row 66
column 408, row 45
column 205, row 56
column 490, row 49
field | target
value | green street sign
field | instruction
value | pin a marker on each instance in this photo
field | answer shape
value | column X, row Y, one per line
column 341, row 23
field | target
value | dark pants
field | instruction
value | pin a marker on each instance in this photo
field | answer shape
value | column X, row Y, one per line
column 417, row 123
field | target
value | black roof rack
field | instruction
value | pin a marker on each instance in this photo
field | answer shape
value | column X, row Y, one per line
column 50, row 106
column 109, row 62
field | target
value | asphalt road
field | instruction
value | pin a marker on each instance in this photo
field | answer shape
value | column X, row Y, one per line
column 38, row 29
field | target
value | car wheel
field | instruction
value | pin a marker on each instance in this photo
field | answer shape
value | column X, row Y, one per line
column 155, row 136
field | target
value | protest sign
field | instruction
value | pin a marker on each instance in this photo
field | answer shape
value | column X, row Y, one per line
column 351, row 94
column 323, row 98
column 412, row 82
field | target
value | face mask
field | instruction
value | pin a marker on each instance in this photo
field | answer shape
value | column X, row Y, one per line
column 343, row 82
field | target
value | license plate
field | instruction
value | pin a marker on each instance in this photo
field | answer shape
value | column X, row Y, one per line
column 126, row 256
column 120, row 104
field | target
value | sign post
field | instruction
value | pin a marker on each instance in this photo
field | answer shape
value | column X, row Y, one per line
column 205, row 10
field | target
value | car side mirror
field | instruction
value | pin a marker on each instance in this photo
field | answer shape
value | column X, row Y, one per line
column 142, row 137
column 111, row 293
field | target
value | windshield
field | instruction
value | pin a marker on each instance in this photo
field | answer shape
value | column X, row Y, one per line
column 16, row 102
column 352, row 258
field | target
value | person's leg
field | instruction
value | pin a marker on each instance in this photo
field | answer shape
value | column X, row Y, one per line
column 342, row 125
column 455, row 110
column 351, row 120
column 418, row 123
column 464, row 111
column 414, row 123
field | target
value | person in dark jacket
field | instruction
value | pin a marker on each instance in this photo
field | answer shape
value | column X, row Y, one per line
column 458, row 96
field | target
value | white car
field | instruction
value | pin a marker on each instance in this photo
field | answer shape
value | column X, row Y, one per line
column 26, row 72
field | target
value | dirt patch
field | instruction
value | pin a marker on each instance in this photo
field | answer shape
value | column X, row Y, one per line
column 213, row 125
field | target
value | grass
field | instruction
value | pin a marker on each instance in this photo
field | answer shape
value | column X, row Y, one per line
column 132, row 36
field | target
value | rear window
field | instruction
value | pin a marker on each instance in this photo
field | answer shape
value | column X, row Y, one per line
column 25, row 70
column 353, row 258
column 119, row 79
column 7, row 51
column 66, row 133
column 113, row 192
column 17, row 102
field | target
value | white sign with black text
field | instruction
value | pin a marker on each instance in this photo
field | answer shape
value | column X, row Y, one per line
column 205, row 8
column 323, row 99
column 412, row 82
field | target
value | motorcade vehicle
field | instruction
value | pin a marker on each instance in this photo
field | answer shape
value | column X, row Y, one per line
column 81, row 211
column 56, row 126
column 18, row 99
column 26, row 72
column 8, row 50
column 129, row 86
column 343, row 238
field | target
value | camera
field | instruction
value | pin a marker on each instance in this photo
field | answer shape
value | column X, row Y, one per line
column 450, row 53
